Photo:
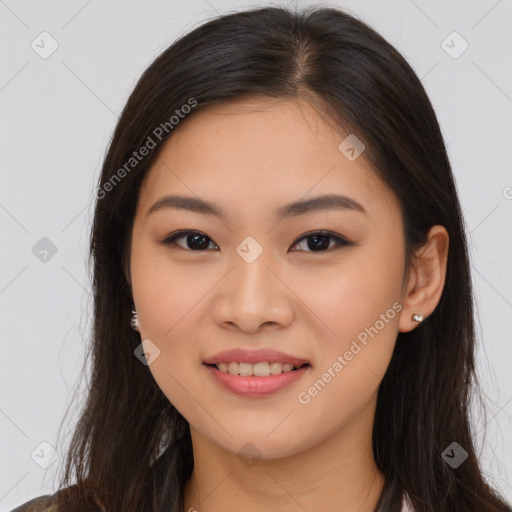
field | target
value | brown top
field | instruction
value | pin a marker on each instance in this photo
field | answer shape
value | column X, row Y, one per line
column 42, row 504
column 38, row 504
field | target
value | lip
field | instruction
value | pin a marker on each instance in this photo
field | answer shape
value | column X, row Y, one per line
column 252, row 386
column 255, row 356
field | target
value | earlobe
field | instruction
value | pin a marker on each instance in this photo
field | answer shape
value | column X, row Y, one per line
column 426, row 279
column 417, row 318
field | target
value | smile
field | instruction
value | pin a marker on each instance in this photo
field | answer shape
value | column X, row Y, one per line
column 255, row 379
column 263, row 369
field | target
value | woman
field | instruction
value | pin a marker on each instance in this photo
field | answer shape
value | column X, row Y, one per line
column 278, row 224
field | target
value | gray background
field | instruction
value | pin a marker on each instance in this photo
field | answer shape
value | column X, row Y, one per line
column 57, row 116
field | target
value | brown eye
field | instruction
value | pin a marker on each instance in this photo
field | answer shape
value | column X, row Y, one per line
column 194, row 240
column 320, row 241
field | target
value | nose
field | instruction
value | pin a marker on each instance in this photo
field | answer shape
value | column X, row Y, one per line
column 253, row 297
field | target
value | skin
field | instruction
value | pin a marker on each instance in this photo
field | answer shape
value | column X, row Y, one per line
column 249, row 158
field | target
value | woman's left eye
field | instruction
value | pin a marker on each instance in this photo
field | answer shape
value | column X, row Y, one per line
column 318, row 241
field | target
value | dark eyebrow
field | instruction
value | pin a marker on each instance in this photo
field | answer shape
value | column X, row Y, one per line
column 301, row 207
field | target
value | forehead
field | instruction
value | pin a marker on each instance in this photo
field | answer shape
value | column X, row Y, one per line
column 261, row 152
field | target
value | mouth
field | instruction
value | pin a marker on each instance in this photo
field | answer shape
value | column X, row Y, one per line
column 260, row 369
column 255, row 380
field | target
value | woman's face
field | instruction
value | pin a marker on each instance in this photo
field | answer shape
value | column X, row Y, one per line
column 256, row 277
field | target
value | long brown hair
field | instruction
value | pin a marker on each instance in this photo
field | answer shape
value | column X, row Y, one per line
column 131, row 448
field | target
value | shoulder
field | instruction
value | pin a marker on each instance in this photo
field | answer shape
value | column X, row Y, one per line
column 43, row 504
column 39, row 504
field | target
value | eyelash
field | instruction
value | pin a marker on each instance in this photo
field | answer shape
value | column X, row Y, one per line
column 340, row 241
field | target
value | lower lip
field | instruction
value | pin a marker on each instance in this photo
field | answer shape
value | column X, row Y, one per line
column 252, row 386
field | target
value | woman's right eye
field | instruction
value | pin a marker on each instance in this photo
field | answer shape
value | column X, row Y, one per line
column 194, row 240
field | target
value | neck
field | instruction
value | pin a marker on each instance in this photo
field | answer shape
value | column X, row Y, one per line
column 338, row 474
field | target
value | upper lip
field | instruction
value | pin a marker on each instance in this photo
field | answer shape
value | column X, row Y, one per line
column 254, row 356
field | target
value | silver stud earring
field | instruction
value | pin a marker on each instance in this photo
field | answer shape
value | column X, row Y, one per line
column 417, row 318
column 134, row 321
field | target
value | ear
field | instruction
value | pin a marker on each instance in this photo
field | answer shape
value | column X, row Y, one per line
column 426, row 278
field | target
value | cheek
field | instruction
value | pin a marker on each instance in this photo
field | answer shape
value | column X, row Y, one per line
column 167, row 292
column 353, row 361
column 170, row 308
column 169, row 315
column 358, row 308
column 352, row 296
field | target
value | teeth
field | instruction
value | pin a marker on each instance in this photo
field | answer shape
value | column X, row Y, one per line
column 263, row 369
column 245, row 368
column 276, row 368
